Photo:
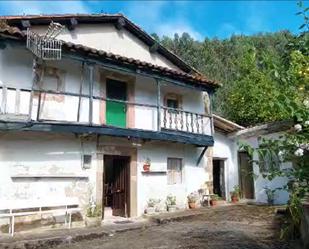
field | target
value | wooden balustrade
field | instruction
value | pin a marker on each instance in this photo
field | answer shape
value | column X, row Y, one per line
column 170, row 118
column 180, row 120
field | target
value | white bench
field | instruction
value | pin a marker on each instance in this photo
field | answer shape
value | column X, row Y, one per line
column 16, row 208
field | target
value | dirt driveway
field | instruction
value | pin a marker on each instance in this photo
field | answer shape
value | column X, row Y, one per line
column 228, row 227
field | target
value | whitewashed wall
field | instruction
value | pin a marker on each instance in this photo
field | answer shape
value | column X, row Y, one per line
column 226, row 149
column 33, row 166
column 260, row 183
column 107, row 38
column 154, row 185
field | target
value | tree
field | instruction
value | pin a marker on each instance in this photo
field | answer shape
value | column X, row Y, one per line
column 224, row 61
column 293, row 145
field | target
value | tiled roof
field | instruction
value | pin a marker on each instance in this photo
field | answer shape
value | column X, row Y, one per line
column 65, row 19
column 100, row 54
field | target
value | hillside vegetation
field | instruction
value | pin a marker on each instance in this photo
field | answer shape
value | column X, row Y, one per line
column 252, row 70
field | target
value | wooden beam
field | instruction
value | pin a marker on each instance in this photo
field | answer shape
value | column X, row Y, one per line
column 154, row 47
column 2, row 44
column 158, row 105
column 80, row 90
column 72, row 23
column 75, row 128
column 91, row 72
column 120, row 23
column 212, row 128
column 25, row 24
column 34, row 66
column 201, row 156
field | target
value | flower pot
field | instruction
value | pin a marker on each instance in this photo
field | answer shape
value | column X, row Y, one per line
column 213, row 202
column 150, row 210
column 234, row 199
column 192, row 205
column 92, row 221
column 146, row 167
column 171, row 208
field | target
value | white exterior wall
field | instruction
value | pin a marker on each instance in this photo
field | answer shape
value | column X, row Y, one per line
column 154, row 185
column 33, row 166
column 281, row 196
column 107, row 38
column 226, row 149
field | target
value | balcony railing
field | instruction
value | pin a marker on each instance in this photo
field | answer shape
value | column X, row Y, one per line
column 52, row 106
column 180, row 120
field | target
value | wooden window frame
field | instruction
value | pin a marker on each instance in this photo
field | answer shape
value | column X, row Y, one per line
column 171, row 179
column 173, row 96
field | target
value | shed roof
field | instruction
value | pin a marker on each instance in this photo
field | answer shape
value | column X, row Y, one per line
column 225, row 126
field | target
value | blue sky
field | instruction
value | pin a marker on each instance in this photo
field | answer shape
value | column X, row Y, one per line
column 199, row 18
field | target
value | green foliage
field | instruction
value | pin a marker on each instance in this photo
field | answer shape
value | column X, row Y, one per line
column 252, row 69
column 94, row 211
column 216, row 198
column 170, row 200
column 236, row 192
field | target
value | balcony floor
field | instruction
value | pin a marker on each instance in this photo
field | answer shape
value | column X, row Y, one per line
column 163, row 135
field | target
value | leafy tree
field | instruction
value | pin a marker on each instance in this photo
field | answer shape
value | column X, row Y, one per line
column 225, row 61
column 293, row 145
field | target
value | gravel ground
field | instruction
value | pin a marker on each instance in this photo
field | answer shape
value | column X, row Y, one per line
column 226, row 227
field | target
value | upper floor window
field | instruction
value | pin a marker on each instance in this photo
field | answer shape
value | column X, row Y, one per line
column 174, row 171
column 173, row 101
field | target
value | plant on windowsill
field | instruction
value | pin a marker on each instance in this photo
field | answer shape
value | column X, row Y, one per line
column 93, row 215
column 146, row 166
column 151, row 205
column 235, row 194
column 192, row 199
column 171, row 203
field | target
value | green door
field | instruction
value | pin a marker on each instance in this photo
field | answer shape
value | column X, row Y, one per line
column 116, row 111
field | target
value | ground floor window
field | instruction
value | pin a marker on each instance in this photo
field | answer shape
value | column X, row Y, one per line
column 174, row 171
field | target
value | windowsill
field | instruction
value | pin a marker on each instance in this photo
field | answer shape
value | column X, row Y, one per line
column 154, row 172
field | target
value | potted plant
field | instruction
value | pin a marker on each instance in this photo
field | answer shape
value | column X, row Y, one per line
column 151, row 205
column 171, row 203
column 270, row 193
column 146, row 166
column 192, row 199
column 214, row 199
column 93, row 215
column 235, row 194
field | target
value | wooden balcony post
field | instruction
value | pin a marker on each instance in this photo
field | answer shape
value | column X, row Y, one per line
column 210, row 114
column 34, row 79
column 158, row 104
column 91, row 72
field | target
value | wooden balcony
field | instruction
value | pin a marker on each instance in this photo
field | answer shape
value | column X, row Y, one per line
column 82, row 113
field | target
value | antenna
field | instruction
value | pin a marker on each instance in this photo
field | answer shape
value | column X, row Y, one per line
column 46, row 46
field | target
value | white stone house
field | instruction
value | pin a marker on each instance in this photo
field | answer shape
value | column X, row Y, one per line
column 254, row 185
column 236, row 167
column 85, row 125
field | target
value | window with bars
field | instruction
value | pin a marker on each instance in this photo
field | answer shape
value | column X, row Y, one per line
column 174, row 171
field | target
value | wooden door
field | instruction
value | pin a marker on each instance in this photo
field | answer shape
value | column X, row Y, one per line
column 116, row 111
column 121, row 186
column 246, row 175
